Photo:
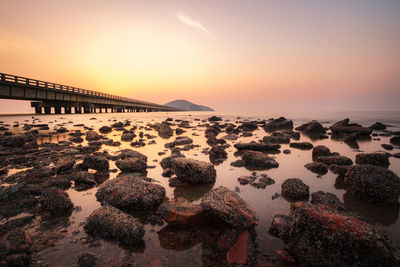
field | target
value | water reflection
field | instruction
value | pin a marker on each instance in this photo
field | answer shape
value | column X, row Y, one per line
column 193, row 192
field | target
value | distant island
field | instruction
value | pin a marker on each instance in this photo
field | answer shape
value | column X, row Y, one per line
column 186, row 105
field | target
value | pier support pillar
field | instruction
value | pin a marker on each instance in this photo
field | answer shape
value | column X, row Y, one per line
column 47, row 110
column 38, row 110
column 86, row 110
column 57, row 110
column 78, row 110
column 67, row 110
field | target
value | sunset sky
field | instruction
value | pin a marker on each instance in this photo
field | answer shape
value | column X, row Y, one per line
column 231, row 55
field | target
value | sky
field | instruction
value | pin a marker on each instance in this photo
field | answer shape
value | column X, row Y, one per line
column 231, row 55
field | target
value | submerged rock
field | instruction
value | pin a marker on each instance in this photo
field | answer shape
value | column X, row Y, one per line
column 378, row 159
column 259, row 159
column 14, row 141
column 92, row 136
column 295, row 189
column 64, row 164
column 338, row 160
column 313, row 127
column 320, row 236
column 193, row 171
column 229, row 207
column 344, row 127
column 214, row 118
column 373, row 184
column 302, row 145
column 109, row 222
column 131, row 193
column 105, row 129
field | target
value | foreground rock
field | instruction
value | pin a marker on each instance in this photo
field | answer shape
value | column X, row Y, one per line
column 193, row 171
column 320, row 236
column 279, row 124
column 373, row 184
column 294, row 189
column 259, row 159
column 254, row 146
column 109, row 222
column 55, row 202
column 132, row 164
column 378, row 159
column 14, row 141
column 131, row 193
column 182, row 213
column 229, row 207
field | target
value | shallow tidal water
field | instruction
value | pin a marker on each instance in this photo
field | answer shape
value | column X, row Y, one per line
column 163, row 245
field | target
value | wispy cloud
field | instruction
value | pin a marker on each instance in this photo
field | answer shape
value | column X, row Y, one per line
column 196, row 24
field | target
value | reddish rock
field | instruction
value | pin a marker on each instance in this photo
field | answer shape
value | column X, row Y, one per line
column 182, row 213
column 238, row 253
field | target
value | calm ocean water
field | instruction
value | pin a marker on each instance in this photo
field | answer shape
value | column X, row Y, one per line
column 156, row 237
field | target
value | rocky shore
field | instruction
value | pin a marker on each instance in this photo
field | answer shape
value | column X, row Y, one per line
column 171, row 184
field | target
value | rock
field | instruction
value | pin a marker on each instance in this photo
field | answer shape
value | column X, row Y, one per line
column 249, row 126
column 85, row 259
column 131, row 193
column 317, row 235
column 344, row 127
column 238, row 163
column 182, row 213
column 241, row 251
column 218, row 154
column 166, row 163
column 339, row 169
column 127, row 137
column 109, row 222
column 387, row 146
column 214, row 118
column 131, row 164
column 84, row 179
column 351, row 140
column 138, row 144
column 378, row 126
column 294, row 189
column 254, row 146
column 338, row 160
column 96, row 162
column 378, row 159
column 328, row 199
column 194, row 171
column 15, row 248
column 262, row 182
column 320, row 151
column 105, row 129
column 302, row 145
column 229, row 207
column 55, row 202
column 245, row 179
column 395, row 140
column 92, row 136
column 373, row 184
column 76, row 139
column 14, row 141
column 287, row 151
column 179, row 131
column 396, row 155
column 278, row 124
column 313, row 127
column 278, row 139
column 129, row 153
column 259, row 159
column 179, row 141
column 64, row 164
column 317, row 167
column 165, row 131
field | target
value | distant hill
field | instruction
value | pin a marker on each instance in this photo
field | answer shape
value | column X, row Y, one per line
column 186, row 105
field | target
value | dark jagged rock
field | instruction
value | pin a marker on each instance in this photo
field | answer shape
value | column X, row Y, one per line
column 378, row 159
column 92, row 136
column 313, row 127
column 132, row 164
column 127, row 137
column 339, row 169
column 55, row 202
column 338, row 160
column 302, row 145
column 320, row 151
column 193, row 171
column 109, row 222
column 131, row 193
column 344, row 127
column 214, row 118
column 217, row 154
column 96, row 162
column 129, row 153
column 229, row 207
column 317, row 167
column 279, row 124
column 294, row 189
column 320, row 236
column 182, row 213
column 328, row 199
column 259, row 159
column 14, row 141
column 179, row 141
column 395, row 140
column 238, row 163
column 84, row 180
column 378, row 126
column 373, row 184
column 254, row 146
column 105, row 129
